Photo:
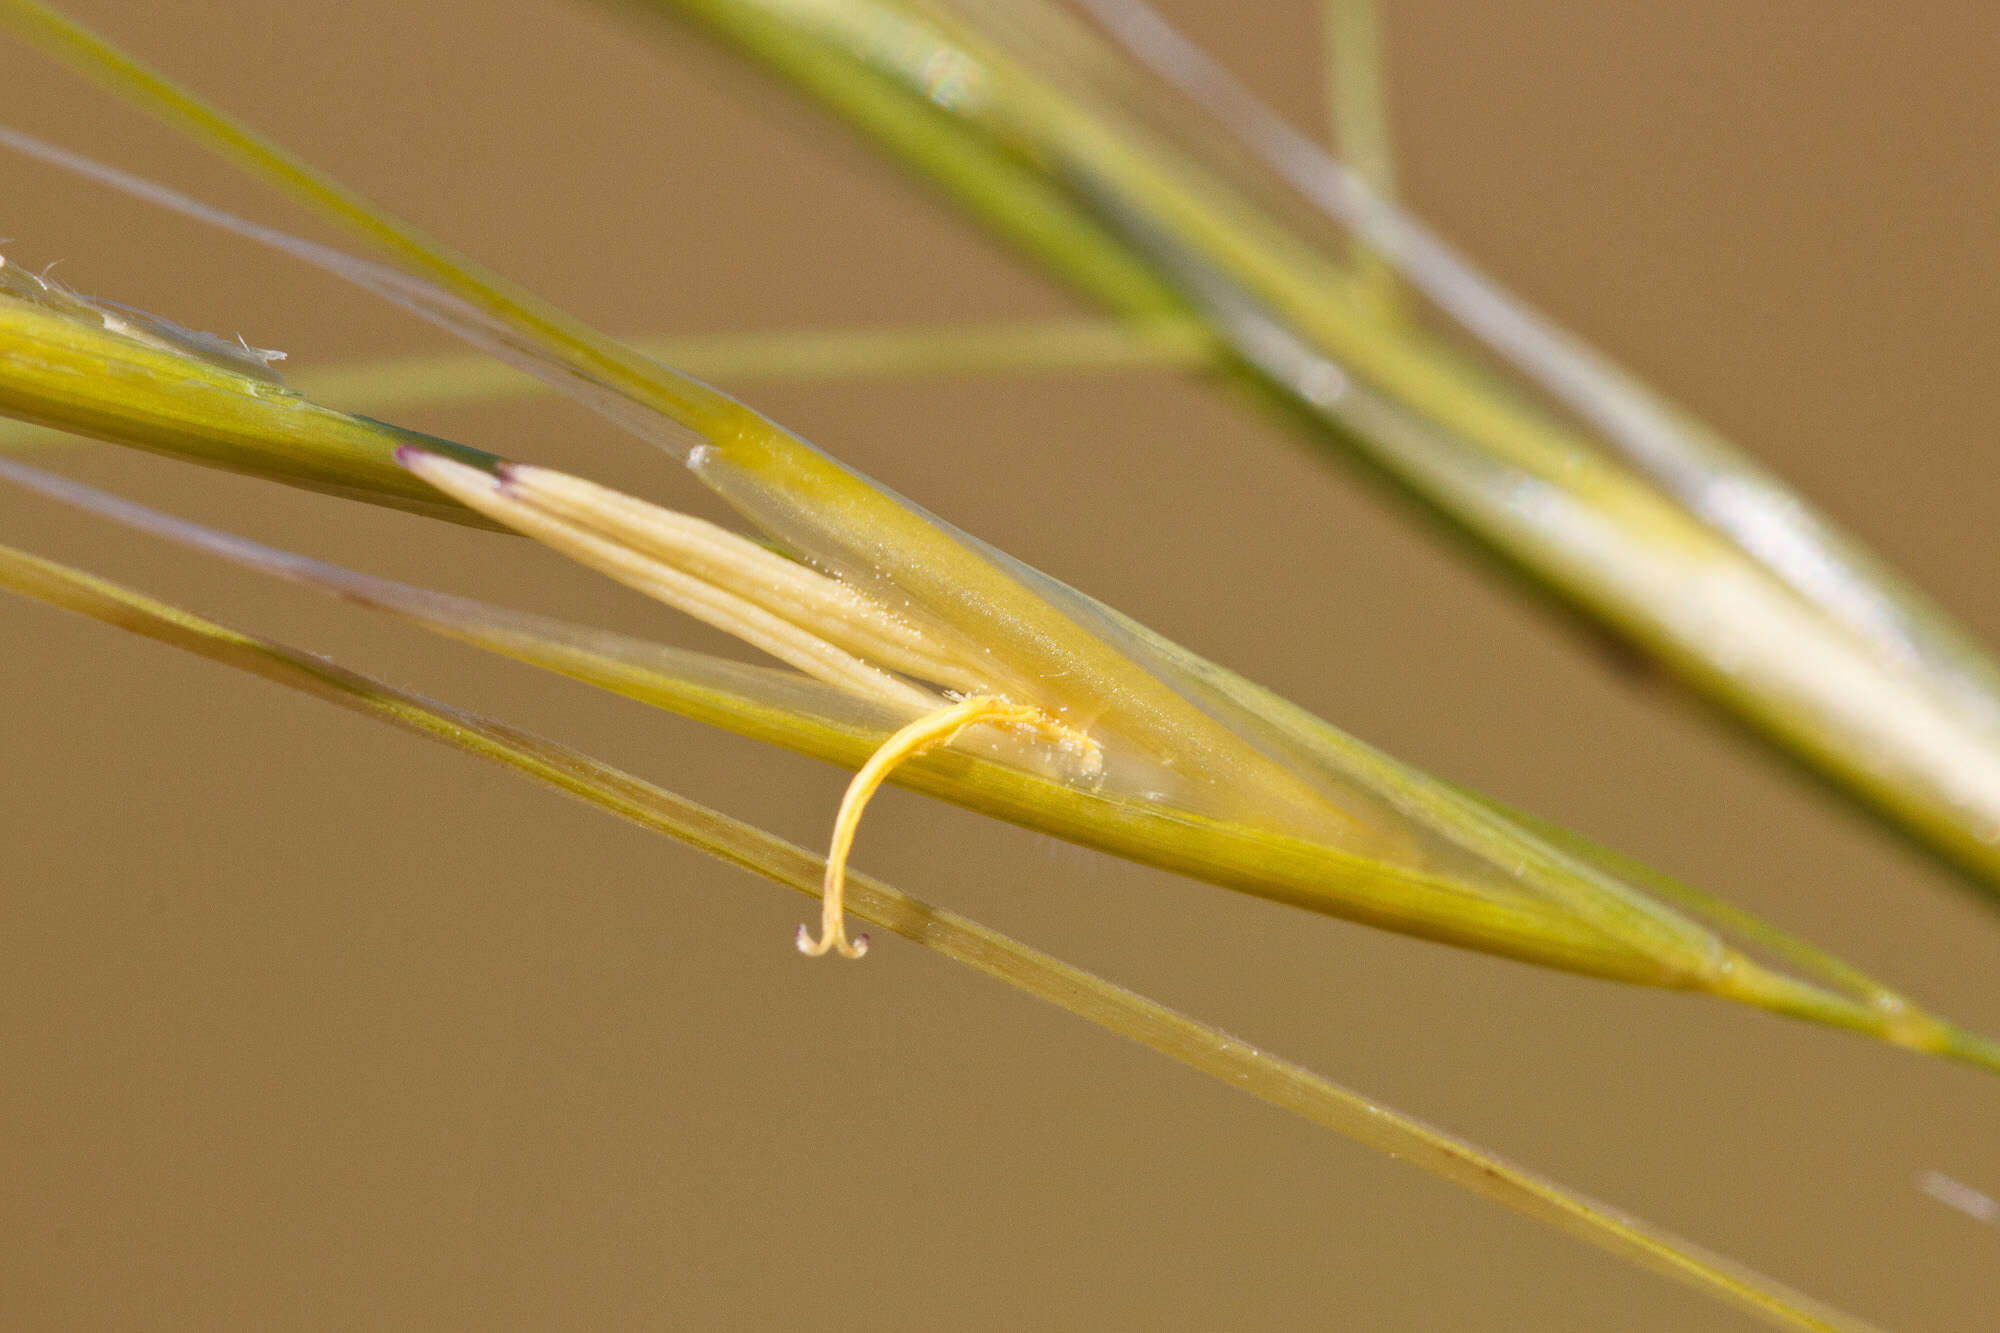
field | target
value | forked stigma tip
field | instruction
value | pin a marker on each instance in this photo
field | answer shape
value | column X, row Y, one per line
column 832, row 941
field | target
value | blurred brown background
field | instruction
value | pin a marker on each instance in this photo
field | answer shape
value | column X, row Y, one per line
column 306, row 1023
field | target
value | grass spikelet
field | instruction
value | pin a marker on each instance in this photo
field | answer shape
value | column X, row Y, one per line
column 911, row 652
column 1194, row 770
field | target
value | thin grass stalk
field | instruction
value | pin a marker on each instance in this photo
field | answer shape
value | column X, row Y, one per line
column 1199, row 1046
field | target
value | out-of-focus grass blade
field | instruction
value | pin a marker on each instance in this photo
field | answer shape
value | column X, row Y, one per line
column 21, row 437
column 1727, row 490
column 93, row 368
column 1065, row 345
column 1695, row 554
column 1197, row 1045
column 1359, row 106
